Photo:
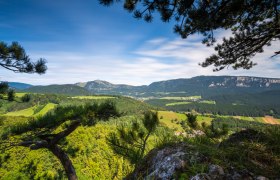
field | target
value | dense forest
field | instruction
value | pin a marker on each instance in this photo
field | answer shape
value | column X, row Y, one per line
column 257, row 104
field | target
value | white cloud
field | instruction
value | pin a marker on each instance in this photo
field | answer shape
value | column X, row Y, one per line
column 190, row 53
column 157, row 59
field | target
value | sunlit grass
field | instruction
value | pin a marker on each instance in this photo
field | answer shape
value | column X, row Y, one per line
column 171, row 119
column 46, row 109
column 93, row 97
column 206, row 119
column 189, row 102
column 182, row 98
column 177, row 103
column 207, row 102
column 19, row 95
column 25, row 112
column 28, row 112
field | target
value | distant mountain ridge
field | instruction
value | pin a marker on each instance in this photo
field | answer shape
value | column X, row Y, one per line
column 20, row 86
column 200, row 85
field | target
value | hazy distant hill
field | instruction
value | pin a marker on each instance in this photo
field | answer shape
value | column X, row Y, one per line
column 104, row 87
column 18, row 85
column 81, row 84
column 206, row 86
column 201, row 85
column 67, row 89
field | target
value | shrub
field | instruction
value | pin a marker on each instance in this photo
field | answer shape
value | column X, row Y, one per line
column 26, row 98
column 11, row 95
column 192, row 121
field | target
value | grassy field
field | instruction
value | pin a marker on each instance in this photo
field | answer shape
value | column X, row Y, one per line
column 206, row 119
column 19, row 95
column 32, row 111
column 259, row 119
column 93, row 97
column 245, row 118
column 46, row 109
column 171, row 119
column 25, row 112
column 189, row 102
column 207, row 102
column 177, row 103
column 182, row 98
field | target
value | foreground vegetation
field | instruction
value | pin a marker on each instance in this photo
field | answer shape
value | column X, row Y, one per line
column 95, row 156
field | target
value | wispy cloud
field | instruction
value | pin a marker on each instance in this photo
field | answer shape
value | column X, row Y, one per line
column 157, row 59
column 190, row 53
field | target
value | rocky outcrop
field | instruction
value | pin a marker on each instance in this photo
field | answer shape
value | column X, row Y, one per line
column 217, row 172
column 169, row 162
column 164, row 163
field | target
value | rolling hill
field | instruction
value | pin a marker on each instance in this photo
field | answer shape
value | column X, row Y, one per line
column 67, row 89
column 19, row 86
column 208, row 87
column 201, row 85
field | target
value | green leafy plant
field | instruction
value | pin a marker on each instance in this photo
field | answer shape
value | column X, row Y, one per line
column 130, row 140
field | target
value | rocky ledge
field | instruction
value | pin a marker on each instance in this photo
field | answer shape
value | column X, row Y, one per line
column 169, row 162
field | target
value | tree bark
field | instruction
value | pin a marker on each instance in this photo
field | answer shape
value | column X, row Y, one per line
column 65, row 161
column 51, row 145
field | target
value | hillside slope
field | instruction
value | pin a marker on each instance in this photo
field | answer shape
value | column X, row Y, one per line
column 200, row 85
column 67, row 89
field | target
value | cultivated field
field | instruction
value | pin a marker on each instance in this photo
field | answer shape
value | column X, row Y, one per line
column 93, row 97
column 32, row 111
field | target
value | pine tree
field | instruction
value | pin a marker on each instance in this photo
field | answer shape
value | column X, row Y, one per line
column 14, row 58
column 41, row 134
column 130, row 141
column 11, row 95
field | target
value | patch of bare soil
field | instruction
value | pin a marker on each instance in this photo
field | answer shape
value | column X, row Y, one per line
column 271, row 120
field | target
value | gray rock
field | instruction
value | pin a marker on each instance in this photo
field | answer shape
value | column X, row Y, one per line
column 261, row 178
column 235, row 176
column 167, row 166
column 201, row 176
column 216, row 170
column 165, row 163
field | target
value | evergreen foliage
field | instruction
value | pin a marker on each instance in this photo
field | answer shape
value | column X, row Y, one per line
column 43, row 136
column 14, row 58
column 4, row 88
column 130, row 141
column 253, row 23
column 11, row 95
column 26, row 98
column 215, row 132
column 90, row 152
column 192, row 121
column 86, row 147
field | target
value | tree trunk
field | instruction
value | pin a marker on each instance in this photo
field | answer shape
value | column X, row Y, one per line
column 65, row 161
column 51, row 145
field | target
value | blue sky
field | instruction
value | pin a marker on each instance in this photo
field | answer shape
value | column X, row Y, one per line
column 84, row 41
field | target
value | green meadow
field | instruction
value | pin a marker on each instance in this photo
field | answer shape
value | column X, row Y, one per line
column 93, row 97
column 32, row 111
